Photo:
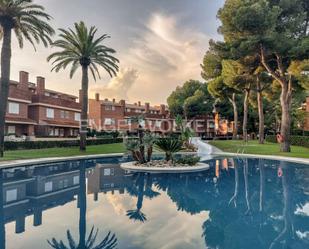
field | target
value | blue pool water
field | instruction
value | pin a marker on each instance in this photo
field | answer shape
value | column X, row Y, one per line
column 238, row 203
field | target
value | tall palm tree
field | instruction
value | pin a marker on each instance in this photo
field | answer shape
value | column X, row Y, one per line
column 80, row 48
column 29, row 22
column 108, row 242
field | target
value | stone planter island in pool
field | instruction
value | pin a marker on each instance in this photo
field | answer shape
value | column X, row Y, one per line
column 160, row 166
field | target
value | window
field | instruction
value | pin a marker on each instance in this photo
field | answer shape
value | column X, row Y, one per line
column 77, row 116
column 76, row 180
column 65, row 183
column 108, row 172
column 128, row 110
column 50, row 113
column 48, row 186
column 128, row 121
column 158, row 123
column 109, row 121
column 110, row 108
column 13, row 108
column 11, row 195
column 11, row 129
column 65, row 114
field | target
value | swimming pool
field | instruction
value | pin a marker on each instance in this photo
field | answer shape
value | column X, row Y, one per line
column 237, row 203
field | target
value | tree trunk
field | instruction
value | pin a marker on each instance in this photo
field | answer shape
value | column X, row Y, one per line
column 260, row 111
column 245, row 120
column 2, row 222
column 286, row 100
column 84, row 114
column 82, row 205
column 233, row 101
column 5, row 82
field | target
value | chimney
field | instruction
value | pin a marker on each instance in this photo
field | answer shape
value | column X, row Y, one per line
column 97, row 97
column 114, row 100
column 162, row 109
column 40, row 85
column 23, row 80
column 80, row 96
column 147, row 107
column 106, row 99
column 123, row 105
column 139, row 103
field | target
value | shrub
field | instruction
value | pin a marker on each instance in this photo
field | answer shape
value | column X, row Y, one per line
column 189, row 160
column 295, row 140
column 169, row 146
column 56, row 143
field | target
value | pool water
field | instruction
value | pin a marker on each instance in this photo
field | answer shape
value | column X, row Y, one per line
column 237, row 203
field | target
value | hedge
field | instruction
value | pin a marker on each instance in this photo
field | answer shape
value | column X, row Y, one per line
column 56, row 143
column 295, row 140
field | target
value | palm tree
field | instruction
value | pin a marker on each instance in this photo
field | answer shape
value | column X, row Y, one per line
column 137, row 214
column 80, row 47
column 109, row 241
column 29, row 22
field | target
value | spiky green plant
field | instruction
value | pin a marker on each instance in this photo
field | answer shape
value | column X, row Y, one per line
column 29, row 22
column 169, row 146
column 81, row 48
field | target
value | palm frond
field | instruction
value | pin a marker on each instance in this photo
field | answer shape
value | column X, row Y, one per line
column 81, row 45
column 29, row 21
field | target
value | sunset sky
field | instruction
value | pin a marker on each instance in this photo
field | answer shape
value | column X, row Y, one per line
column 160, row 44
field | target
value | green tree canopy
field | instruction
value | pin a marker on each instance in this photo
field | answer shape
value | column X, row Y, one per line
column 190, row 100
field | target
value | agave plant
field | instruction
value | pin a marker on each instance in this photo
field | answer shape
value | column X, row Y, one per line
column 133, row 146
column 186, row 132
column 148, row 141
column 169, row 146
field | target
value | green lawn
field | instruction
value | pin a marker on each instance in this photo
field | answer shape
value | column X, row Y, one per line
column 63, row 152
column 253, row 147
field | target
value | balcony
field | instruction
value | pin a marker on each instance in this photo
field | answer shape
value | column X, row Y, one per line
column 55, row 101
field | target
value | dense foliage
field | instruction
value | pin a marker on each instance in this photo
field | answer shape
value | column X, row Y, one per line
column 53, row 144
column 190, row 100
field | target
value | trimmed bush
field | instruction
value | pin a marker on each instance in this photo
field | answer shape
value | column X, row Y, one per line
column 27, row 145
column 295, row 140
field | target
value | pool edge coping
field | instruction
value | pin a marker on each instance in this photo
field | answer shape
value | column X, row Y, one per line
column 170, row 170
column 28, row 162
column 270, row 157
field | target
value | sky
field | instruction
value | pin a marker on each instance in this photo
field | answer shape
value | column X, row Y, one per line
column 160, row 45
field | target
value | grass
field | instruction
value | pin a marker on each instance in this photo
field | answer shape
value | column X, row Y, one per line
column 253, row 147
column 63, row 152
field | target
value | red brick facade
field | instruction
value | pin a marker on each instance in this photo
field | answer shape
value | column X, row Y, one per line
column 34, row 110
column 110, row 115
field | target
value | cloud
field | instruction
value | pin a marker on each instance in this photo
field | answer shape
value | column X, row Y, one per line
column 162, row 55
column 118, row 86
column 166, row 54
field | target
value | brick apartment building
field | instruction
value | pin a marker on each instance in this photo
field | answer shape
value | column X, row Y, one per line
column 112, row 115
column 33, row 110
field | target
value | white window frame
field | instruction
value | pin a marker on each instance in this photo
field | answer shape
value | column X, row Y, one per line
column 11, row 129
column 109, row 121
column 75, row 180
column 13, row 108
column 48, row 186
column 11, row 195
column 77, row 116
column 158, row 123
column 50, row 113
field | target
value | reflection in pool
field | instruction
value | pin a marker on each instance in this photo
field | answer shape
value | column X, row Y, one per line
column 238, row 203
